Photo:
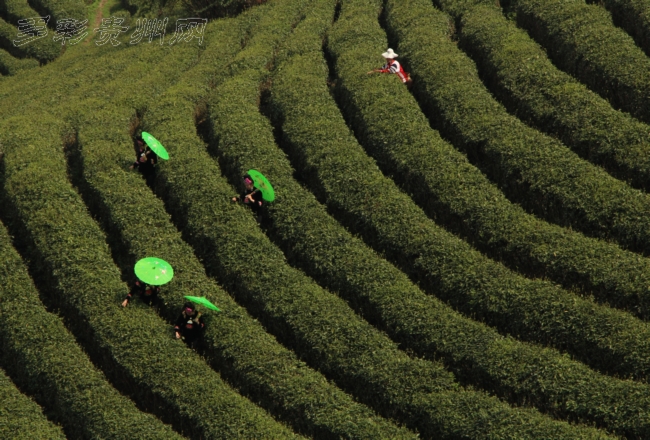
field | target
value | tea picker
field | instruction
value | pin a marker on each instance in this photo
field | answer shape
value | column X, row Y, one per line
column 147, row 155
column 257, row 190
column 151, row 272
column 189, row 324
column 393, row 66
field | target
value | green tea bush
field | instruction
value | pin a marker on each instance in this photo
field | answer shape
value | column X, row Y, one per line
column 531, row 310
column 237, row 345
column 43, row 49
column 69, row 254
column 61, row 9
column 582, row 40
column 317, row 325
column 20, row 417
column 456, row 194
column 532, row 169
column 230, row 244
column 381, row 293
column 315, row 242
column 10, row 65
column 518, row 71
column 634, row 17
column 46, row 361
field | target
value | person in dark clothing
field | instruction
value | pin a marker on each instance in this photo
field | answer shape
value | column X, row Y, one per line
column 189, row 325
column 145, row 160
column 148, row 294
column 251, row 197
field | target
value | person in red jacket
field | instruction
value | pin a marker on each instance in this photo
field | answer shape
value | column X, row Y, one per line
column 393, row 66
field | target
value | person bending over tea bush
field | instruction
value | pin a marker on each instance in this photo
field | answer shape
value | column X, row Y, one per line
column 148, row 294
column 251, row 197
column 189, row 325
column 393, row 66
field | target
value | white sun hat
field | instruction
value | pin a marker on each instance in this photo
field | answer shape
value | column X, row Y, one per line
column 389, row 54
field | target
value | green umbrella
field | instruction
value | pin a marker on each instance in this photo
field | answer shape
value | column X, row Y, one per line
column 154, row 271
column 204, row 302
column 263, row 185
column 155, row 145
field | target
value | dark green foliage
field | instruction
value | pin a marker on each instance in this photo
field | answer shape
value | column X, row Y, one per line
column 634, row 17
column 21, row 418
column 524, row 79
column 61, row 9
column 582, row 40
column 316, row 243
column 134, row 346
column 384, row 295
column 316, row 324
column 532, row 169
column 237, row 345
column 219, row 8
column 532, row 310
column 10, row 65
column 456, row 194
column 43, row 49
column 45, row 360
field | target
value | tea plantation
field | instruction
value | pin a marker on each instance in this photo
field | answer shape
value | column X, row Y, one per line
column 465, row 257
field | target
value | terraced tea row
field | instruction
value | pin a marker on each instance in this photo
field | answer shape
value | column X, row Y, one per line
column 45, row 360
column 224, row 248
column 448, row 267
column 456, row 194
column 134, row 345
column 530, row 168
column 519, row 73
column 327, row 252
column 582, row 40
column 634, row 17
column 237, row 346
column 20, row 417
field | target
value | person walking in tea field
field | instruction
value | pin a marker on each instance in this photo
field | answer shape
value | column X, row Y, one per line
column 251, row 196
column 393, row 66
column 145, row 159
column 189, row 325
column 148, row 294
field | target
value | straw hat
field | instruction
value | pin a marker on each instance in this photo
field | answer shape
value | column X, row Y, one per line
column 389, row 54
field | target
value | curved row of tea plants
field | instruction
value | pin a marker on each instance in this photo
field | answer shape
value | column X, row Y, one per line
column 21, row 417
column 10, row 65
column 459, row 196
column 520, row 74
column 314, row 242
column 45, row 360
column 531, row 168
column 60, row 10
column 236, row 345
column 42, row 49
column 226, row 237
column 318, row 326
column 243, row 139
column 452, row 191
column 71, row 258
column 534, row 310
column 634, row 17
column 582, row 40
column 330, row 156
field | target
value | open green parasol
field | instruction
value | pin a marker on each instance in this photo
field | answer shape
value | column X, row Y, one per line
column 154, row 271
column 204, row 302
column 155, row 145
column 263, row 185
